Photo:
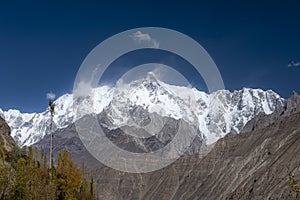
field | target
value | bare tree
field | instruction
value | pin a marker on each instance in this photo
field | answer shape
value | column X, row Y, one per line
column 51, row 107
column 51, row 97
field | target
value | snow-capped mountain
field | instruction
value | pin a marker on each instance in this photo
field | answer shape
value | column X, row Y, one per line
column 216, row 114
column 27, row 128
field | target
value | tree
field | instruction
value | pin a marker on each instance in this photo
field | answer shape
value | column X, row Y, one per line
column 51, row 108
column 68, row 176
column 43, row 161
column 93, row 186
column 2, row 152
column 6, row 180
column 22, row 177
column 20, row 186
column 294, row 188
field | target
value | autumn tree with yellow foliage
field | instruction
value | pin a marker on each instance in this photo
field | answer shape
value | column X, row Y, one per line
column 294, row 192
column 25, row 175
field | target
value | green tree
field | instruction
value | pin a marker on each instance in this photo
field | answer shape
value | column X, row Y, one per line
column 6, row 180
column 68, row 176
column 20, row 189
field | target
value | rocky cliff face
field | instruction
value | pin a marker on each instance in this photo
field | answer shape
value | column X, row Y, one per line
column 247, row 166
column 5, row 137
column 291, row 106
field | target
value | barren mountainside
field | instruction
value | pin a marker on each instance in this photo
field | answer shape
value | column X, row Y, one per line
column 5, row 136
column 250, row 165
column 246, row 166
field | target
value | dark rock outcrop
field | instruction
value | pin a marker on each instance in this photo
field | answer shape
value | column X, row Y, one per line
column 292, row 105
column 5, row 137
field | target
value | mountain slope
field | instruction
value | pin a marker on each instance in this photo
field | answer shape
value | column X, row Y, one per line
column 252, row 165
column 262, row 120
column 215, row 114
column 68, row 139
column 5, row 138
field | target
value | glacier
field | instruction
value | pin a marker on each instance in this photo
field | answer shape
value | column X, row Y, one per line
column 216, row 114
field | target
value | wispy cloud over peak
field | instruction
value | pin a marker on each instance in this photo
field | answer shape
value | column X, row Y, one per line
column 50, row 96
column 294, row 63
column 83, row 89
column 141, row 37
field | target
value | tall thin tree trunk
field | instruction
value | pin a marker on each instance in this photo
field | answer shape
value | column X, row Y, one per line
column 51, row 145
column 51, row 106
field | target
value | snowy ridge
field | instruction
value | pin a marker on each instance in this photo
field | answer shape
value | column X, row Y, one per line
column 215, row 114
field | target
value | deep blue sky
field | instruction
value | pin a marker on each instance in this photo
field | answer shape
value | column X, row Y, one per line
column 42, row 43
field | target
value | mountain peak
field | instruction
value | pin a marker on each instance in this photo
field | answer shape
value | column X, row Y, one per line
column 151, row 77
column 147, row 81
column 215, row 115
column 295, row 93
column 151, row 74
column 293, row 103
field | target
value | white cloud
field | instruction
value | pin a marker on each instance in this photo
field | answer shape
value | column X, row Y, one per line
column 294, row 64
column 83, row 89
column 50, row 96
column 162, row 72
column 145, row 38
column 119, row 83
column 169, row 75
